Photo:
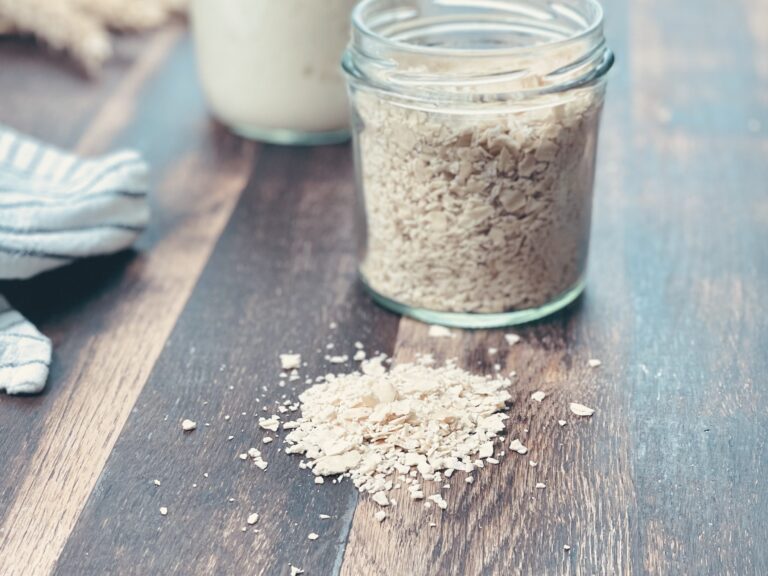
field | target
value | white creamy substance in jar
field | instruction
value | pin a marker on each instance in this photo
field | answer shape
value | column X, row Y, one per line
column 274, row 65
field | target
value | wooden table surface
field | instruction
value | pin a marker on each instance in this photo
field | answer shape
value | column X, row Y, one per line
column 251, row 253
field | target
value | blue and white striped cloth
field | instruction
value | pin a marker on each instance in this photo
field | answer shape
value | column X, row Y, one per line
column 56, row 208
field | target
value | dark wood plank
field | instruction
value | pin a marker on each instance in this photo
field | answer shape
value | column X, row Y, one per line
column 697, row 262
column 282, row 272
column 109, row 317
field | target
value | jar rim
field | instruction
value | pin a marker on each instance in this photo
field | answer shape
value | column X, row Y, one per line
column 360, row 24
column 470, row 50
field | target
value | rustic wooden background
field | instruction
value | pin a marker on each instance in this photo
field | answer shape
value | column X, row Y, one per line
column 251, row 253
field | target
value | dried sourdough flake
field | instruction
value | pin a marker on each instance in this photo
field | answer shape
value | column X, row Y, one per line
column 290, row 361
column 477, row 213
column 580, row 409
column 188, row 425
column 594, row 362
column 252, row 519
column 163, row 511
column 411, row 423
column 518, row 447
column 436, row 331
column 538, row 396
column 512, row 339
column 439, row 500
column 380, row 498
column 312, row 536
column 272, row 423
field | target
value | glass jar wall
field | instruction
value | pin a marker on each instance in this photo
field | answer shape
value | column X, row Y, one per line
column 475, row 131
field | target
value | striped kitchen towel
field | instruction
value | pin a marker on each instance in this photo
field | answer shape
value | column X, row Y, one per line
column 56, row 208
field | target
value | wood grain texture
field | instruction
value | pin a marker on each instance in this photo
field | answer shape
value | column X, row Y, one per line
column 666, row 478
column 282, row 272
column 108, row 333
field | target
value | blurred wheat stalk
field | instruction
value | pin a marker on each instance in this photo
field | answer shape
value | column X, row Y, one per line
column 82, row 27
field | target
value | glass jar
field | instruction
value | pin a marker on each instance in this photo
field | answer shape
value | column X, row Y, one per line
column 270, row 68
column 475, row 127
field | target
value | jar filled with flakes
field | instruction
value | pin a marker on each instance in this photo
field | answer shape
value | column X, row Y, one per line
column 475, row 130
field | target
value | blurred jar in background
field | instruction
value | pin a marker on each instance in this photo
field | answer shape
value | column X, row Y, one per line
column 270, row 68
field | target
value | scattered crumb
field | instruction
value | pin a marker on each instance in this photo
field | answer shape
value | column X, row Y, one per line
column 436, row 331
column 296, row 571
column 566, row 547
column 267, row 439
column 562, row 422
column 380, row 498
column 272, row 423
column 469, row 479
column 540, row 485
column 492, row 460
column 188, row 425
column 439, row 500
column 290, row 361
column 252, row 519
column 324, row 517
column 163, row 511
column 333, row 325
column 319, row 480
column 493, row 351
column 518, row 447
column 538, row 396
column 512, row 339
column 380, row 515
column 359, row 356
column 338, row 359
column 156, row 482
column 312, row 536
column 594, row 362
column 580, row 409
column 432, row 525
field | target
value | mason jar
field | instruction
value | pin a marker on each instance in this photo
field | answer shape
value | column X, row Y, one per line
column 270, row 68
column 475, row 128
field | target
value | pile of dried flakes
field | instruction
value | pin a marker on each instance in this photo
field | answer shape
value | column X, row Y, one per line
column 383, row 428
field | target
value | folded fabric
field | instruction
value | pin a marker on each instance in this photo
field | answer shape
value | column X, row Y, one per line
column 56, row 208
